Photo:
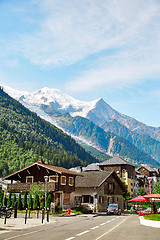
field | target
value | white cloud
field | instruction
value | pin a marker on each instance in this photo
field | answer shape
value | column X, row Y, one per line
column 70, row 31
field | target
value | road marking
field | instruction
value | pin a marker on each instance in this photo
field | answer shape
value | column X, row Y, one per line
column 79, row 234
column 94, row 227
column 111, row 229
column 102, row 224
column 24, row 234
column 70, row 238
column 108, row 221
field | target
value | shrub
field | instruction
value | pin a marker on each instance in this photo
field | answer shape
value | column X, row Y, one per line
column 14, row 200
column 36, row 202
column 9, row 201
column 19, row 204
column 82, row 209
column 30, row 203
column 25, row 200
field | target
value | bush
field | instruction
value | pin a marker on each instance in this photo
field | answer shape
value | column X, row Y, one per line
column 49, row 200
column 19, row 204
column 36, row 204
column 25, row 200
column 14, row 200
column 30, row 203
column 9, row 201
column 82, row 209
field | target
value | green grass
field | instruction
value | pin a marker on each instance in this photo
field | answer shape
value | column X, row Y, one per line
column 154, row 217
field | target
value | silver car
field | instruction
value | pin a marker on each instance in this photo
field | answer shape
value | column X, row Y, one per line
column 113, row 209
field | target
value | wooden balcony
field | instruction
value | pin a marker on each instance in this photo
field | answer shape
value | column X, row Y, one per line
column 22, row 187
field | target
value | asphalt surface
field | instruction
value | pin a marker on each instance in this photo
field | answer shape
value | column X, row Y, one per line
column 84, row 227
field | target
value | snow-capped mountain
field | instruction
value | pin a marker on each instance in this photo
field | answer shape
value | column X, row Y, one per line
column 97, row 111
column 54, row 98
column 77, row 117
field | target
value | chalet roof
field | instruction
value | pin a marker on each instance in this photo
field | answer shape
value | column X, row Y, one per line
column 140, row 174
column 92, row 167
column 147, row 167
column 115, row 161
column 57, row 169
column 95, row 179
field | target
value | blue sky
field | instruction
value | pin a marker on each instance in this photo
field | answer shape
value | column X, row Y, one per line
column 87, row 49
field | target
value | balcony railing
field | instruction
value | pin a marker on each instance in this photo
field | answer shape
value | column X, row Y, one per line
column 22, row 187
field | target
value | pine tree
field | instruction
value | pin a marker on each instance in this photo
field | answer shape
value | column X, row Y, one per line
column 19, row 204
column 42, row 202
column 30, row 203
column 5, row 201
column 14, row 200
column 25, row 200
column 9, row 201
column 36, row 202
column 1, row 198
column 49, row 200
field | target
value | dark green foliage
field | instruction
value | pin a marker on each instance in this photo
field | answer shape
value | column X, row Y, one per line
column 30, row 203
column 36, row 202
column 9, row 201
column 24, row 137
column 1, row 197
column 49, row 200
column 82, row 209
column 19, row 203
column 157, row 187
column 5, row 200
column 25, row 205
column 141, row 192
column 14, row 200
column 42, row 202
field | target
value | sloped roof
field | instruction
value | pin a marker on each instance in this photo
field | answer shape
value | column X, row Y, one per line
column 115, row 161
column 147, row 167
column 95, row 179
column 57, row 169
column 92, row 167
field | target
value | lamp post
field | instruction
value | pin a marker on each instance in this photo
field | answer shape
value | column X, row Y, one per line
column 46, row 179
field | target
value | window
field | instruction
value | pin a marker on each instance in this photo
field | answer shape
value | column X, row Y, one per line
column 53, row 178
column 29, row 179
column 63, row 180
column 111, row 186
column 123, row 171
column 71, row 181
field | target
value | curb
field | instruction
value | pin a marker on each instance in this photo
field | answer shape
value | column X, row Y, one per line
column 149, row 223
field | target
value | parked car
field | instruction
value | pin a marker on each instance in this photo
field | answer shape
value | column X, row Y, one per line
column 113, row 209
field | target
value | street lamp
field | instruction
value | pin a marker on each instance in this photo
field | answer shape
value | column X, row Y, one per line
column 46, row 179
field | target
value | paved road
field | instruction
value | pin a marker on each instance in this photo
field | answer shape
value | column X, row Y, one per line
column 88, row 228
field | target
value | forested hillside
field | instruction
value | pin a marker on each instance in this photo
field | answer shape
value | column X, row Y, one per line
column 24, row 137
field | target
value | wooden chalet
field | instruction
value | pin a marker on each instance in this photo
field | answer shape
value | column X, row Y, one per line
column 61, row 181
column 97, row 189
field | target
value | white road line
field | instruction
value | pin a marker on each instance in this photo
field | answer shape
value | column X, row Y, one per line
column 102, row 224
column 111, row 229
column 79, row 234
column 94, row 227
column 70, row 238
column 24, row 234
column 108, row 221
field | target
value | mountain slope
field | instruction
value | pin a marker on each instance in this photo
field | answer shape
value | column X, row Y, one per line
column 106, row 142
column 24, row 134
column 49, row 103
column 149, row 145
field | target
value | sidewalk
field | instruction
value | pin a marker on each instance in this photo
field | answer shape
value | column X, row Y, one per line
column 149, row 223
column 19, row 223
